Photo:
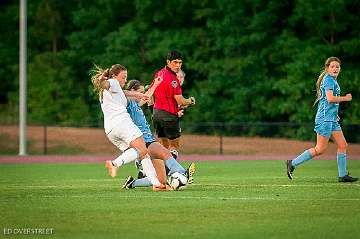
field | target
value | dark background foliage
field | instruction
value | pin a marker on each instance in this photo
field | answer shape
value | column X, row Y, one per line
column 245, row 61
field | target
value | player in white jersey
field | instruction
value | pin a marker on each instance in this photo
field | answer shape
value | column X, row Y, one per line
column 119, row 127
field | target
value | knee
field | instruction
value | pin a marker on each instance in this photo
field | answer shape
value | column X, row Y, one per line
column 142, row 152
column 343, row 146
column 160, row 154
column 319, row 150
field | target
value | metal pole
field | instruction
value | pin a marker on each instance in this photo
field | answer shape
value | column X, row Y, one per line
column 221, row 144
column 45, row 140
column 22, row 78
column 221, row 151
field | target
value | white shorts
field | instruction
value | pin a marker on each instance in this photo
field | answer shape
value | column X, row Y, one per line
column 123, row 133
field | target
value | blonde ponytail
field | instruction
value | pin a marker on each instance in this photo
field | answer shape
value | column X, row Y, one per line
column 98, row 75
column 321, row 77
column 318, row 84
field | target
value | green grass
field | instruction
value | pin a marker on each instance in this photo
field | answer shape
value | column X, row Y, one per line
column 231, row 199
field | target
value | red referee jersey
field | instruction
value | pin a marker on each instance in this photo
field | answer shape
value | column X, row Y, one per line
column 164, row 93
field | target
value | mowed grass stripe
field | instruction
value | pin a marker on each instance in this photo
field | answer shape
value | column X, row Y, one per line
column 199, row 198
column 84, row 186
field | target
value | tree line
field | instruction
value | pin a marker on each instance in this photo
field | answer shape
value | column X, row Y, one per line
column 245, row 61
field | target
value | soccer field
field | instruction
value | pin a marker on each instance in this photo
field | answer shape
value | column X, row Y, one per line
column 229, row 199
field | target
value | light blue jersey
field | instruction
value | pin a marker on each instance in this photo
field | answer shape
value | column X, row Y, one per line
column 137, row 115
column 327, row 111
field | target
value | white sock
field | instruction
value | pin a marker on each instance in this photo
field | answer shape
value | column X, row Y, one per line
column 126, row 157
column 149, row 170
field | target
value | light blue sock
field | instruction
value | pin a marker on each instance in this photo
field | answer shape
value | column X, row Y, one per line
column 302, row 158
column 174, row 166
column 341, row 161
column 142, row 182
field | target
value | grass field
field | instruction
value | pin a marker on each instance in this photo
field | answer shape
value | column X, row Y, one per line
column 229, row 199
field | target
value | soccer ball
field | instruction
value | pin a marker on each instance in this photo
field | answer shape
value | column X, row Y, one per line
column 177, row 181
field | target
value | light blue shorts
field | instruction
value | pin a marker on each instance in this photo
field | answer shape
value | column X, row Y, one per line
column 326, row 128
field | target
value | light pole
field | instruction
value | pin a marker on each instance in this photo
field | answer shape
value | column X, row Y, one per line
column 22, row 78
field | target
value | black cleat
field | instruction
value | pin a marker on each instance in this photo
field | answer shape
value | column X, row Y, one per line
column 140, row 175
column 128, row 183
column 289, row 169
column 347, row 179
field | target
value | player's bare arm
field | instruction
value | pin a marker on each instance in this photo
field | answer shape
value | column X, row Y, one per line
column 331, row 98
column 151, row 90
column 136, row 95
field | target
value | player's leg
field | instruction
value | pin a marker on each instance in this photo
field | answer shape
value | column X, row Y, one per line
column 128, row 135
column 128, row 138
column 148, row 167
column 174, row 147
column 160, row 170
column 157, row 150
column 322, row 140
column 320, row 147
column 129, row 155
column 159, row 166
column 139, row 168
column 121, row 136
column 170, row 129
column 173, row 132
column 340, row 140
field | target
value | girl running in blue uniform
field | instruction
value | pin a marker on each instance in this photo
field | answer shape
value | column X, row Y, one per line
column 326, row 121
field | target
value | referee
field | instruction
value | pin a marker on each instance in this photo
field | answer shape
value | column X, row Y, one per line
column 167, row 100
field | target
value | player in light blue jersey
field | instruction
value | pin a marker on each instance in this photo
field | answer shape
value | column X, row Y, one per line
column 326, row 121
column 155, row 149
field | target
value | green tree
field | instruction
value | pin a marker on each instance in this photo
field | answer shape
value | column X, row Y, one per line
column 53, row 96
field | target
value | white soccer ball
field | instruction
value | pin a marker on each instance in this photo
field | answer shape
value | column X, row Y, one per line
column 177, row 181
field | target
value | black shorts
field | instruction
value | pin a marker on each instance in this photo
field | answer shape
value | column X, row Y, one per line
column 166, row 125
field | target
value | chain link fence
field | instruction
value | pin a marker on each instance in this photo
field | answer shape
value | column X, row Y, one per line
column 197, row 138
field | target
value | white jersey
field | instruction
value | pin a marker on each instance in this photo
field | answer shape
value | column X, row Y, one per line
column 114, row 105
